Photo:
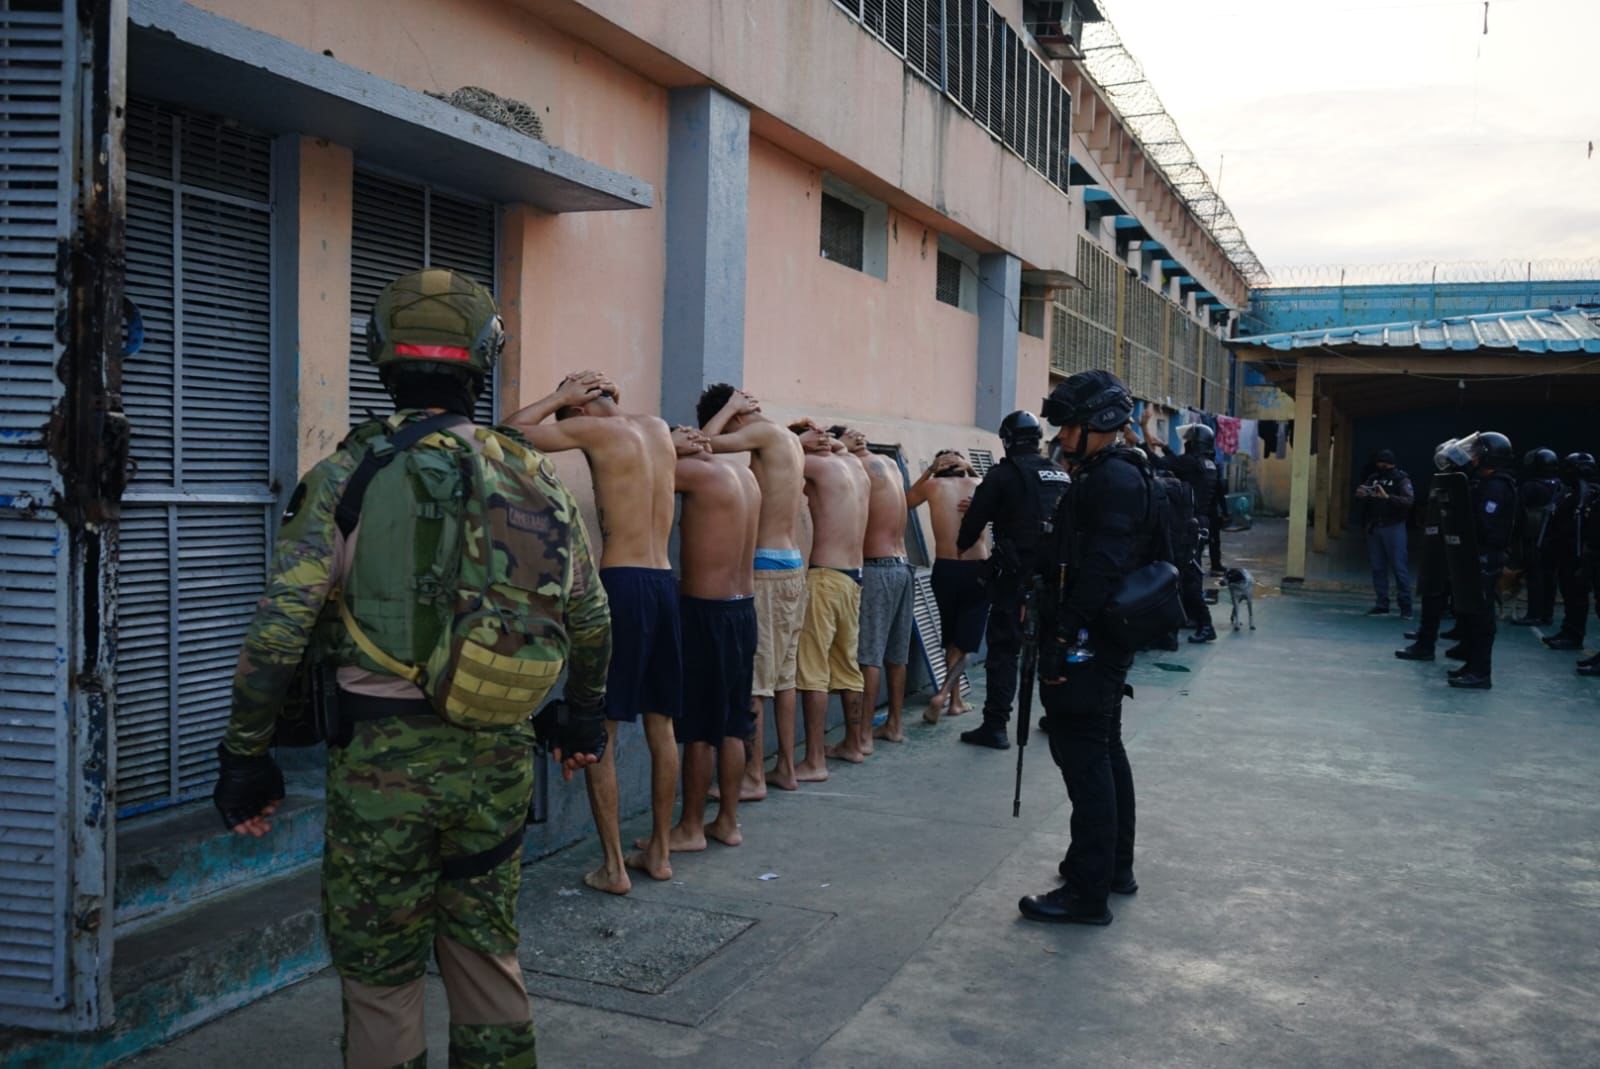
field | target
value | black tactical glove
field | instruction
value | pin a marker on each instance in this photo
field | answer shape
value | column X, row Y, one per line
column 570, row 729
column 245, row 786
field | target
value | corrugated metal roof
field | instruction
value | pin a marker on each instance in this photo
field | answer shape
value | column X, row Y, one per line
column 1537, row 330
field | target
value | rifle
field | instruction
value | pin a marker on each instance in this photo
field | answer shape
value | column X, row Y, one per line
column 1030, row 669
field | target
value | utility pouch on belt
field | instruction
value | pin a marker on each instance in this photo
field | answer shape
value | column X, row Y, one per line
column 310, row 713
column 478, row 553
column 1145, row 606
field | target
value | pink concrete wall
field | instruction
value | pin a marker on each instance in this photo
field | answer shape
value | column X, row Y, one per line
column 836, row 339
column 589, row 285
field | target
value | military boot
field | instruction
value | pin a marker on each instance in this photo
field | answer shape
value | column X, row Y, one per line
column 1204, row 634
column 990, row 734
column 1415, row 652
column 1063, row 907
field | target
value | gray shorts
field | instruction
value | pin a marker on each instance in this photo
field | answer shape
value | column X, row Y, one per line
column 886, row 612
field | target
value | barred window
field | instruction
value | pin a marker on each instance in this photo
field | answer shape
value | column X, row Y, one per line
column 844, row 229
column 948, row 288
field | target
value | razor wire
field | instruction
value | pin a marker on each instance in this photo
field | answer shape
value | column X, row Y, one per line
column 1425, row 272
column 1118, row 75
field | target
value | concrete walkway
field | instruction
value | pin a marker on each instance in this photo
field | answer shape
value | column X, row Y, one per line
column 1341, row 861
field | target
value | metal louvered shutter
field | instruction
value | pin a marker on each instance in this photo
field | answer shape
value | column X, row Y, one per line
column 36, row 216
column 401, row 226
column 197, row 515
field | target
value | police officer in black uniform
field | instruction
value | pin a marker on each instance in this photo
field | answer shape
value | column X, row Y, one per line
column 1018, row 497
column 1184, row 530
column 1573, row 507
column 1494, row 509
column 1441, row 517
column 1589, row 551
column 1199, row 468
column 1536, row 501
column 1106, row 526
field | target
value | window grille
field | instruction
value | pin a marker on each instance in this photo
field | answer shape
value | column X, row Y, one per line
column 197, row 515
column 844, row 228
column 399, row 226
column 968, row 51
column 948, row 287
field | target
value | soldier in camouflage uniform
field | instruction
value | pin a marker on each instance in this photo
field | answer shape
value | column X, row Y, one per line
column 424, row 818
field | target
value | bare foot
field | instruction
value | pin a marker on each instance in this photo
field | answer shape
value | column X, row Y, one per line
column 888, row 736
column 936, row 705
column 806, row 774
column 641, row 860
column 602, row 880
column 958, row 707
column 680, row 841
column 866, row 746
column 750, row 790
column 843, row 751
column 726, row 833
column 784, row 781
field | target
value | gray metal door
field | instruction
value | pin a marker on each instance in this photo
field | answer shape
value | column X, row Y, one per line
column 196, row 517
column 401, row 226
column 59, row 225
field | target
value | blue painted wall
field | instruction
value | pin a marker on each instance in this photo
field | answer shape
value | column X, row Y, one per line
column 1308, row 307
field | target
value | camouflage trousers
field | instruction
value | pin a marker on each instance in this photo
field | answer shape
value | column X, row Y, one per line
column 405, row 795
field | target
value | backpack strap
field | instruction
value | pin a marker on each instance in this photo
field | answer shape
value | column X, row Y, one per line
column 348, row 513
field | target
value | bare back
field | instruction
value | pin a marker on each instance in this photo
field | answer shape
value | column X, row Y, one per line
column 944, row 508
column 717, row 529
column 886, row 506
column 778, row 462
column 631, row 458
column 837, row 491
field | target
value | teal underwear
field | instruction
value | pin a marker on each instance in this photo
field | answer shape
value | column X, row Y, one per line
column 778, row 560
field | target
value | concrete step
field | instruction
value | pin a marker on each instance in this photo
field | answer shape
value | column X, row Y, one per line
column 178, row 971
column 168, row 862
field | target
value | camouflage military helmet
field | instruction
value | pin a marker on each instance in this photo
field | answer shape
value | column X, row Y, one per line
column 435, row 316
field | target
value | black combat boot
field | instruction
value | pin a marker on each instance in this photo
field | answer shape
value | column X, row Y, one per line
column 1471, row 681
column 1458, row 652
column 1378, row 610
column 990, row 733
column 1061, row 906
column 1415, row 652
column 1204, row 634
column 1563, row 641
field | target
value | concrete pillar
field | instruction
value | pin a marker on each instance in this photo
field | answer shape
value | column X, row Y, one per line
column 707, row 195
column 1305, row 384
column 999, row 300
column 1324, row 506
column 1343, row 451
column 322, row 279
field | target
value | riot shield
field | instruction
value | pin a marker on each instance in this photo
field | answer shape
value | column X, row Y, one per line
column 1459, row 531
column 1433, row 578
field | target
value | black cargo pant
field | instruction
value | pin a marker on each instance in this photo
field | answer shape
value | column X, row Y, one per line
column 1004, row 642
column 1478, row 628
column 1191, row 589
column 1086, row 742
column 1574, row 586
column 1541, row 583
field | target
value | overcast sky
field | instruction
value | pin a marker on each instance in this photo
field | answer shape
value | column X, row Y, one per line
column 1366, row 131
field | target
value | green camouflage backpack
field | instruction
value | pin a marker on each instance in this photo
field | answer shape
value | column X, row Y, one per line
column 459, row 578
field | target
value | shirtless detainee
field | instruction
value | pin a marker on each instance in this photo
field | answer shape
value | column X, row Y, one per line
column 632, row 460
column 887, row 598
column 958, row 578
column 836, row 493
column 716, row 553
column 734, row 423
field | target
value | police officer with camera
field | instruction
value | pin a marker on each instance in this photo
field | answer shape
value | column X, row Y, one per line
column 1018, row 496
column 1109, row 531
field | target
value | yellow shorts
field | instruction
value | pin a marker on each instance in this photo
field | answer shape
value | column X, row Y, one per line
column 832, row 633
column 780, row 611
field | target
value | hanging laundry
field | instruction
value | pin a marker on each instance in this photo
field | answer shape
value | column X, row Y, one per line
column 1228, row 435
column 1249, row 438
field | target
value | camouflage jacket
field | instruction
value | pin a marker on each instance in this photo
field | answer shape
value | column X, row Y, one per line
column 302, row 576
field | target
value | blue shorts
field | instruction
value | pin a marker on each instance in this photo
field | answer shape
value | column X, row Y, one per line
column 646, row 674
column 719, row 653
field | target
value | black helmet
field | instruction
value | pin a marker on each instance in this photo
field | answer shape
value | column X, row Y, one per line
column 1494, row 450
column 1095, row 399
column 1021, row 430
column 1578, row 466
column 1198, row 438
column 1541, row 461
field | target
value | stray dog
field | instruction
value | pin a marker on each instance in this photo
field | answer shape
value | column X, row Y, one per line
column 1241, row 588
